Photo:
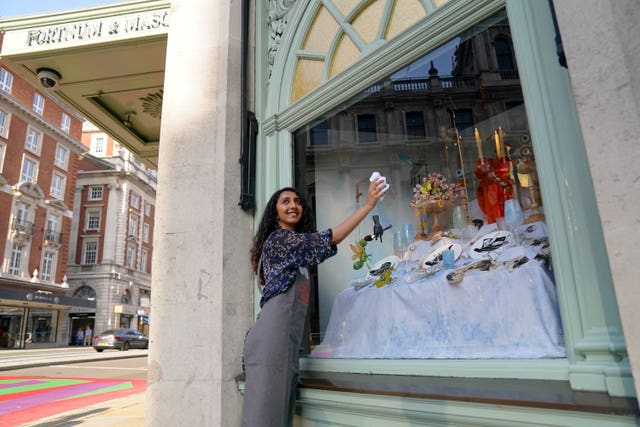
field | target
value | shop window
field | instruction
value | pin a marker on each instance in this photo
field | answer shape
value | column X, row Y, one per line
column 466, row 263
column 10, row 322
column 42, row 325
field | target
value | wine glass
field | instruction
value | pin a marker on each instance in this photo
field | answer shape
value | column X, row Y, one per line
column 410, row 238
column 459, row 218
column 513, row 216
column 399, row 244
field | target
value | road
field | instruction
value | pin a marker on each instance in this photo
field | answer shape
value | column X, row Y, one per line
column 107, row 392
column 132, row 369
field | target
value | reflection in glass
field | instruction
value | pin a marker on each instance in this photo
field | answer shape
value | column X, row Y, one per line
column 457, row 111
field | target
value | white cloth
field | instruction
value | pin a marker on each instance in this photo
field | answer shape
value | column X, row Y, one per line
column 490, row 314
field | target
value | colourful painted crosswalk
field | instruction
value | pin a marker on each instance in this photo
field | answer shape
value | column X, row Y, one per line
column 26, row 399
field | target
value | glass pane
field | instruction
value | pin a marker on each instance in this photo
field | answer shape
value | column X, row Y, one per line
column 10, row 324
column 463, row 268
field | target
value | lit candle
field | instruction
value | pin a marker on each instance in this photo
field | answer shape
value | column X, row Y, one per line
column 503, row 148
column 479, row 144
column 498, row 149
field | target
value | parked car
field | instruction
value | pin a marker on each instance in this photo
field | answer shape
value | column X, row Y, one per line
column 120, row 339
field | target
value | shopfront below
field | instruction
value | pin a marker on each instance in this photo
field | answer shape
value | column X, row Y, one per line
column 34, row 317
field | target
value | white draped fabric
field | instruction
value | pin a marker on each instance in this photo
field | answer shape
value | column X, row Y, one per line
column 490, row 314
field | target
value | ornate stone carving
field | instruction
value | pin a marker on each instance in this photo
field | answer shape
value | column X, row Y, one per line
column 277, row 19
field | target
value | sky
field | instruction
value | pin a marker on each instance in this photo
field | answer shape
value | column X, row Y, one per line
column 10, row 8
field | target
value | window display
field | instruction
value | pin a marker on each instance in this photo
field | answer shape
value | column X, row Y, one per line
column 462, row 266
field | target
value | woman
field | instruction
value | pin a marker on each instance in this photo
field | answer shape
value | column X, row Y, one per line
column 285, row 244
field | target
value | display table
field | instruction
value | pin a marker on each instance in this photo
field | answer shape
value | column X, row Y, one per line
column 490, row 314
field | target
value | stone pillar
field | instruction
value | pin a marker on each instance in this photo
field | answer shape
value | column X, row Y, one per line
column 201, row 284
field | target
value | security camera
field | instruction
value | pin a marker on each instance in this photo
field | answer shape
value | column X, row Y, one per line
column 48, row 77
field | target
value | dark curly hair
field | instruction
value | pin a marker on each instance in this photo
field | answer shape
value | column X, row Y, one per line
column 269, row 223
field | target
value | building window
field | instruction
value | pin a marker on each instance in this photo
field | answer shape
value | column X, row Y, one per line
column 144, row 256
column 46, row 271
column 131, row 256
column 33, row 141
column 415, row 124
column 16, row 259
column 95, row 192
column 6, row 80
column 5, row 118
column 133, row 225
column 29, row 170
column 99, row 145
column 38, row 103
column 85, row 292
column 125, row 298
column 145, row 232
column 62, row 157
column 22, row 212
column 135, row 200
column 93, row 219
column 57, row 185
column 90, row 252
column 504, row 55
column 51, row 232
column 147, row 208
column 65, row 123
column 319, row 134
column 367, row 130
column 463, row 119
column 3, row 151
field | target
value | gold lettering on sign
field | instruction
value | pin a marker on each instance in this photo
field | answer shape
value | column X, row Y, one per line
column 97, row 28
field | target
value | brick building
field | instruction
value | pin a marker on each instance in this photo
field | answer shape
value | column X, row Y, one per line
column 39, row 150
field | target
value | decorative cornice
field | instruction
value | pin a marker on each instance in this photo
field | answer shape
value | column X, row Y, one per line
column 34, row 118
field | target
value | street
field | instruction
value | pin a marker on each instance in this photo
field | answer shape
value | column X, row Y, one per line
column 132, row 369
column 73, row 391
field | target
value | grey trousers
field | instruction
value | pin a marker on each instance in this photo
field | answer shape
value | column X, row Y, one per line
column 271, row 358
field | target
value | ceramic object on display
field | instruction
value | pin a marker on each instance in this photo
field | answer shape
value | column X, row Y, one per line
column 435, row 256
column 488, row 245
column 388, row 263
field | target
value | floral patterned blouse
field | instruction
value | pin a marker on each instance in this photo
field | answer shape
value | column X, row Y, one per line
column 285, row 252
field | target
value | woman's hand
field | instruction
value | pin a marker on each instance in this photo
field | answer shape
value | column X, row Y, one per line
column 376, row 192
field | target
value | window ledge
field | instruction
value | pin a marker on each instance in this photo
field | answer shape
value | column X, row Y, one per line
column 522, row 393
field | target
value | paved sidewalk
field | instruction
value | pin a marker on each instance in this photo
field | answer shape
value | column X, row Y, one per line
column 123, row 412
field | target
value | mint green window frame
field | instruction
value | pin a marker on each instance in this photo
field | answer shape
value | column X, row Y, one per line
column 596, row 352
